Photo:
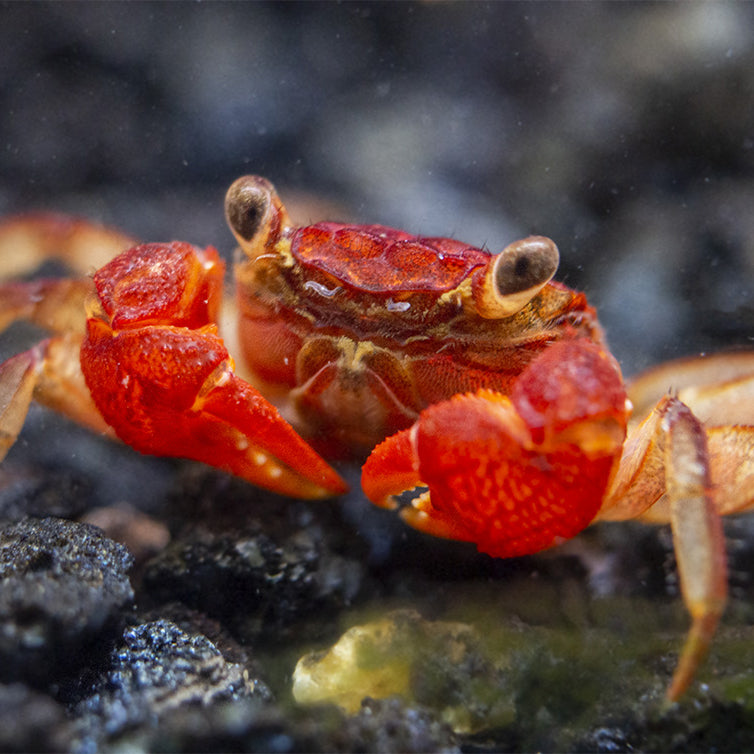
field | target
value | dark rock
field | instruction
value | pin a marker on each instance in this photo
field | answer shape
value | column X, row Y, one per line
column 388, row 725
column 255, row 561
column 606, row 739
column 30, row 721
column 679, row 728
column 194, row 622
column 380, row 726
column 157, row 668
column 64, row 589
column 245, row 725
column 28, row 491
column 255, row 583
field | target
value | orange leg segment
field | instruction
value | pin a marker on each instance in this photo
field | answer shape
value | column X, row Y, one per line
column 698, row 538
column 28, row 240
column 48, row 373
column 675, row 470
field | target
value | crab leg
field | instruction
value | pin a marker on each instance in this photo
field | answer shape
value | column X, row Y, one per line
column 48, row 373
column 17, row 378
column 666, row 465
column 698, row 539
column 714, row 387
column 28, row 240
column 677, row 470
column 57, row 305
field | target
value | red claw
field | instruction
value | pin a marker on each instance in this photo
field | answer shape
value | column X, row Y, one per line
column 391, row 468
column 162, row 378
column 513, row 475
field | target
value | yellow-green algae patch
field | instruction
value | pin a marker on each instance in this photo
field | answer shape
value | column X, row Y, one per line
column 438, row 664
column 542, row 666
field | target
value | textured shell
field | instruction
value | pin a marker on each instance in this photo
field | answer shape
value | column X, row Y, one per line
column 376, row 259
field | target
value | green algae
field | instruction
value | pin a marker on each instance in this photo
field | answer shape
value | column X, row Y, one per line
column 581, row 673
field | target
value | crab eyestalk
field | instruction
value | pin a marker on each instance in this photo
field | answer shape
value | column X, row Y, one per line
column 255, row 214
column 514, row 277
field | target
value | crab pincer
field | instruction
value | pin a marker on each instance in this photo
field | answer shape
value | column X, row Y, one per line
column 161, row 376
column 513, row 474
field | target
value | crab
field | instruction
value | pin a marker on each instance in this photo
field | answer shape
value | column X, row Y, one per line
column 481, row 393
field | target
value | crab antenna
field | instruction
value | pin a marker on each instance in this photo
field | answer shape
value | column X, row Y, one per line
column 515, row 276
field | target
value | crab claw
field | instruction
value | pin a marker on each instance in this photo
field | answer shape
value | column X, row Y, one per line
column 162, row 378
column 517, row 474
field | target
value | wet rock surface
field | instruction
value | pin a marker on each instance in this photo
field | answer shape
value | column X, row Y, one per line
column 623, row 131
column 159, row 667
column 380, row 726
column 476, row 652
column 257, row 565
column 64, row 590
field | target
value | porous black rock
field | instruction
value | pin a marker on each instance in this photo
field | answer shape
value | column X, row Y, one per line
column 388, row 725
column 64, row 590
column 159, row 667
column 254, row 562
column 256, row 584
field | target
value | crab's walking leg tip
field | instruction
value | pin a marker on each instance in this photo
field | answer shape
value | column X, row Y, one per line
column 693, row 653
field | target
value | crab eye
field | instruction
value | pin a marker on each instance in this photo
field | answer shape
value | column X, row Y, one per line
column 515, row 276
column 246, row 204
column 254, row 213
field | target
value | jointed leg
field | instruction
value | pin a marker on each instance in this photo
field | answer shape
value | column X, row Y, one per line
column 50, row 374
column 697, row 538
column 665, row 476
column 57, row 305
column 28, row 240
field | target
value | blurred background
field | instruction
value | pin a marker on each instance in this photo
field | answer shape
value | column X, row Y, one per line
column 623, row 131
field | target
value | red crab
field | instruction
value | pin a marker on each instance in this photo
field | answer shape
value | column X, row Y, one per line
column 479, row 380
